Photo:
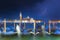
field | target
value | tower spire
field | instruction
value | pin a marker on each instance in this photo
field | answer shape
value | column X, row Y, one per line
column 20, row 16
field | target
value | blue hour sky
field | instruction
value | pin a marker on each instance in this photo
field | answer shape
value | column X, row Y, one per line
column 38, row 9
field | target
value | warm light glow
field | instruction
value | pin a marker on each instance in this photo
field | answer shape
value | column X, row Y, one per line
column 58, row 21
column 25, row 21
column 38, row 21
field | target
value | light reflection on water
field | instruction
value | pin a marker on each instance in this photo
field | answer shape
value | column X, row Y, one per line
column 29, row 37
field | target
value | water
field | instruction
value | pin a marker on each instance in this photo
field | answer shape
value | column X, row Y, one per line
column 30, row 37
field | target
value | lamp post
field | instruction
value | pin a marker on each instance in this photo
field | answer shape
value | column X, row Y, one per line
column 4, row 25
column 49, row 27
column 34, row 26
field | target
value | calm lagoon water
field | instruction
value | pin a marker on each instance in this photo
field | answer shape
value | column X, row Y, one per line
column 30, row 37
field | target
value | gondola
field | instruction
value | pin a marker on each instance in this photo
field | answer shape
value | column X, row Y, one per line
column 9, row 31
column 56, row 33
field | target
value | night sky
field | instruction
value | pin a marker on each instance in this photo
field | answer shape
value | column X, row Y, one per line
column 38, row 9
